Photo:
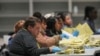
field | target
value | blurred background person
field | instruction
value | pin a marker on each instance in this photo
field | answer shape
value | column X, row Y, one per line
column 67, row 20
column 18, row 25
column 90, row 16
column 37, row 14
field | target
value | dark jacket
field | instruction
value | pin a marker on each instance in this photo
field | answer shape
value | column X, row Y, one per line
column 24, row 44
column 92, row 26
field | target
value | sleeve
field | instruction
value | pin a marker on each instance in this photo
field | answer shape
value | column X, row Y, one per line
column 32, row 48
column 33, row 51
column 45, row 41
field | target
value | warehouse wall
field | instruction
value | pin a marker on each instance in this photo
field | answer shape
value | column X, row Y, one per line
column 47, row 7
column 7, row 22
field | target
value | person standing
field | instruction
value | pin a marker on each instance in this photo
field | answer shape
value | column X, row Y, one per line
column 90, row 16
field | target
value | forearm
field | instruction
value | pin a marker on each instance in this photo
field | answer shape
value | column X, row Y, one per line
column 53, row 40
column 39, row 51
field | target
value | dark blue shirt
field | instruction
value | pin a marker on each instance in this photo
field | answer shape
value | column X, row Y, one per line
column 92, row 26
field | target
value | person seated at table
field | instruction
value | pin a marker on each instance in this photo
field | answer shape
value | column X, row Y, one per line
column 53, row 27
column 43, row 39
column 25, row 44
column 67, row 23
column 17, row 27
column 67, row 20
